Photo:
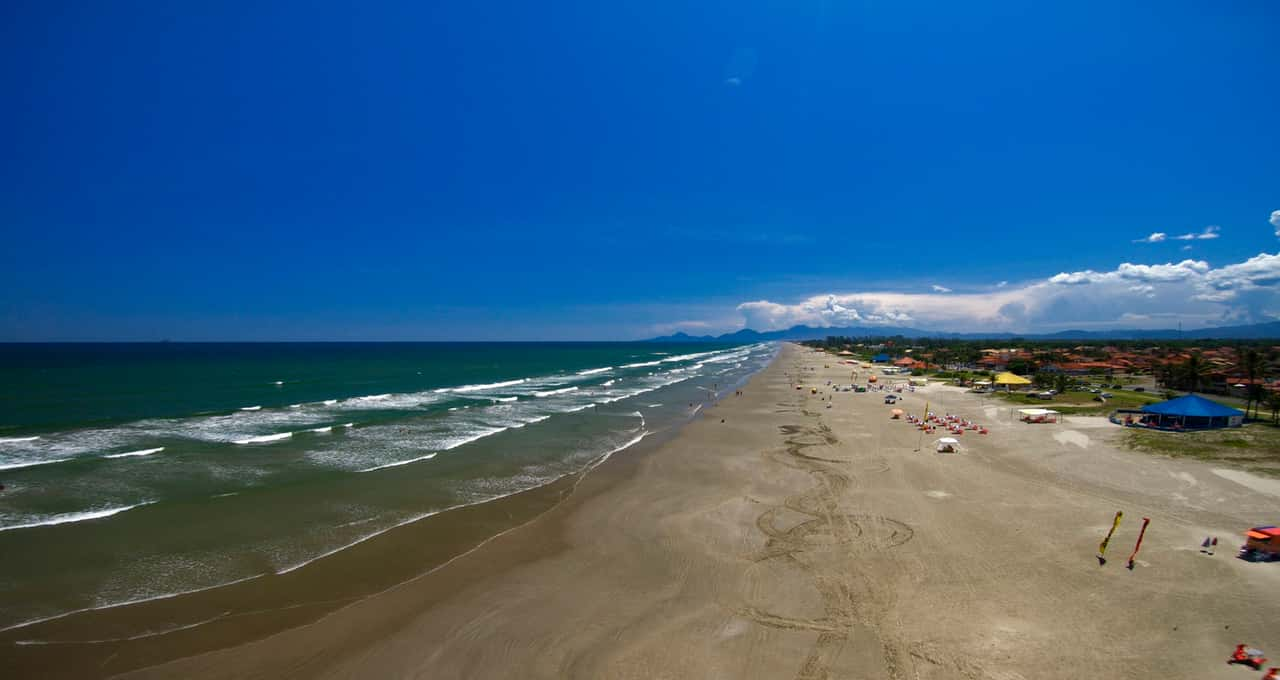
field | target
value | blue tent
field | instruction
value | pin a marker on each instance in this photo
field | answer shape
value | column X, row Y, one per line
column 880, row 358
column 1193, row 411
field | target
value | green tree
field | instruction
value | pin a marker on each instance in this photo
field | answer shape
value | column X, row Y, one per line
column 1273, row 402
column 1194, row 372
column 1062, row 382
column 1254, row 365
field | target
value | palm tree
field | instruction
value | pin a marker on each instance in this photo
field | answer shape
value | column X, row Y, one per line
column 1194, row 371
column 1273, row 401
column 1254, row 366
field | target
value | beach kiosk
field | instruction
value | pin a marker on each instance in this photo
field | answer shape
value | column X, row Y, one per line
column 1192, row 412
column 1011, row 380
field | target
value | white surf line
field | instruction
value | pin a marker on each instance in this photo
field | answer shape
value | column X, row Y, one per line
column 130, row 454
column 16, row 440
column 34, row 463
column 429, row 456
column 552, row 393
column 73, row 517
column 477, row 388
column 251, row 408
column 321, row 430
column 593, row 371
column 263, row 439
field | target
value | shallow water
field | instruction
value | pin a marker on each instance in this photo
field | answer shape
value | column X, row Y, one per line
column 140, row 471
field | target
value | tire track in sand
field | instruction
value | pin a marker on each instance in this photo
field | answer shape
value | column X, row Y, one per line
column 844, row 595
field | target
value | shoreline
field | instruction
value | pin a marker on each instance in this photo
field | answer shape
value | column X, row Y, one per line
column 800, row 533
column 127, row 637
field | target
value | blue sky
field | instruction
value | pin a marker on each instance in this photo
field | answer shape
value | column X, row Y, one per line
column 616, row 170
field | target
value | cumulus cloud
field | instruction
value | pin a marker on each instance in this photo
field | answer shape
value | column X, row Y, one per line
column 1155, row 237
column 1002, row 284
column 1147, row 295
column 940, row 289
column 1210, row 232
column 1075, row 278
column 1275, row 221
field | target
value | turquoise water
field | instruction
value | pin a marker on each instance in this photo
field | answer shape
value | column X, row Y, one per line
column 139, row 471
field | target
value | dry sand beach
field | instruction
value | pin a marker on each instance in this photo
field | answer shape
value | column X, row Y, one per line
column 775, row 537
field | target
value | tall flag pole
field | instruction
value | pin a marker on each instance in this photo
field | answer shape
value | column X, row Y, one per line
column 1136, row 546
column 1102, row 547
column 920, row 439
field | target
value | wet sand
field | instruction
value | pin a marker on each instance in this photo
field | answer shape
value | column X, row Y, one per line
column 793, row 540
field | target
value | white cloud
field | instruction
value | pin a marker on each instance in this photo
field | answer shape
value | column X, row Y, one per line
column 1275, row 221
column 1150, row 295
column 940, row 289
column 1185, row 248
column 1155, row 237
column 1162, row 272
column 1002, row 284
column 1210, row 232
column 1075, row 278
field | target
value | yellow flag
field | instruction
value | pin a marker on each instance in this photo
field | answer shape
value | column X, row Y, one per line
column 1103, row 547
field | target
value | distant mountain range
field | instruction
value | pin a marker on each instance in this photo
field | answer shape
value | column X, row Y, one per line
column 1255, row 331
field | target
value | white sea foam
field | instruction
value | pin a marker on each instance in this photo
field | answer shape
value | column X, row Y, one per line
column 686, row 357
column 279, row 382
column 295, row 405
column 330, row 402
column 593, row 371
column 398, row 463
column 478, row 388
column 31, row 463
column 374, row 397
column 348, row 424
column 263, row 439
column 608, row 383
column 551, row 393
column 15, row 440
column 71, row 517
column 130, row 454
column 505, row 399
column 321, row 430
column 642, row 364
column 251, row 408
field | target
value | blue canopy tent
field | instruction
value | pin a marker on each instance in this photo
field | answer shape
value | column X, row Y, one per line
column 1192, row 412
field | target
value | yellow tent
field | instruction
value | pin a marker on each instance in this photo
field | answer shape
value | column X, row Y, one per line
column 1007, row 378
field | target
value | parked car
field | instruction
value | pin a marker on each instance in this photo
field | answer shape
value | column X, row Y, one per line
column 1105, row 395
column 1139, row 389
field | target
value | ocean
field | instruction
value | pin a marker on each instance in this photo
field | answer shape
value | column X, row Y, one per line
column 135, row 472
